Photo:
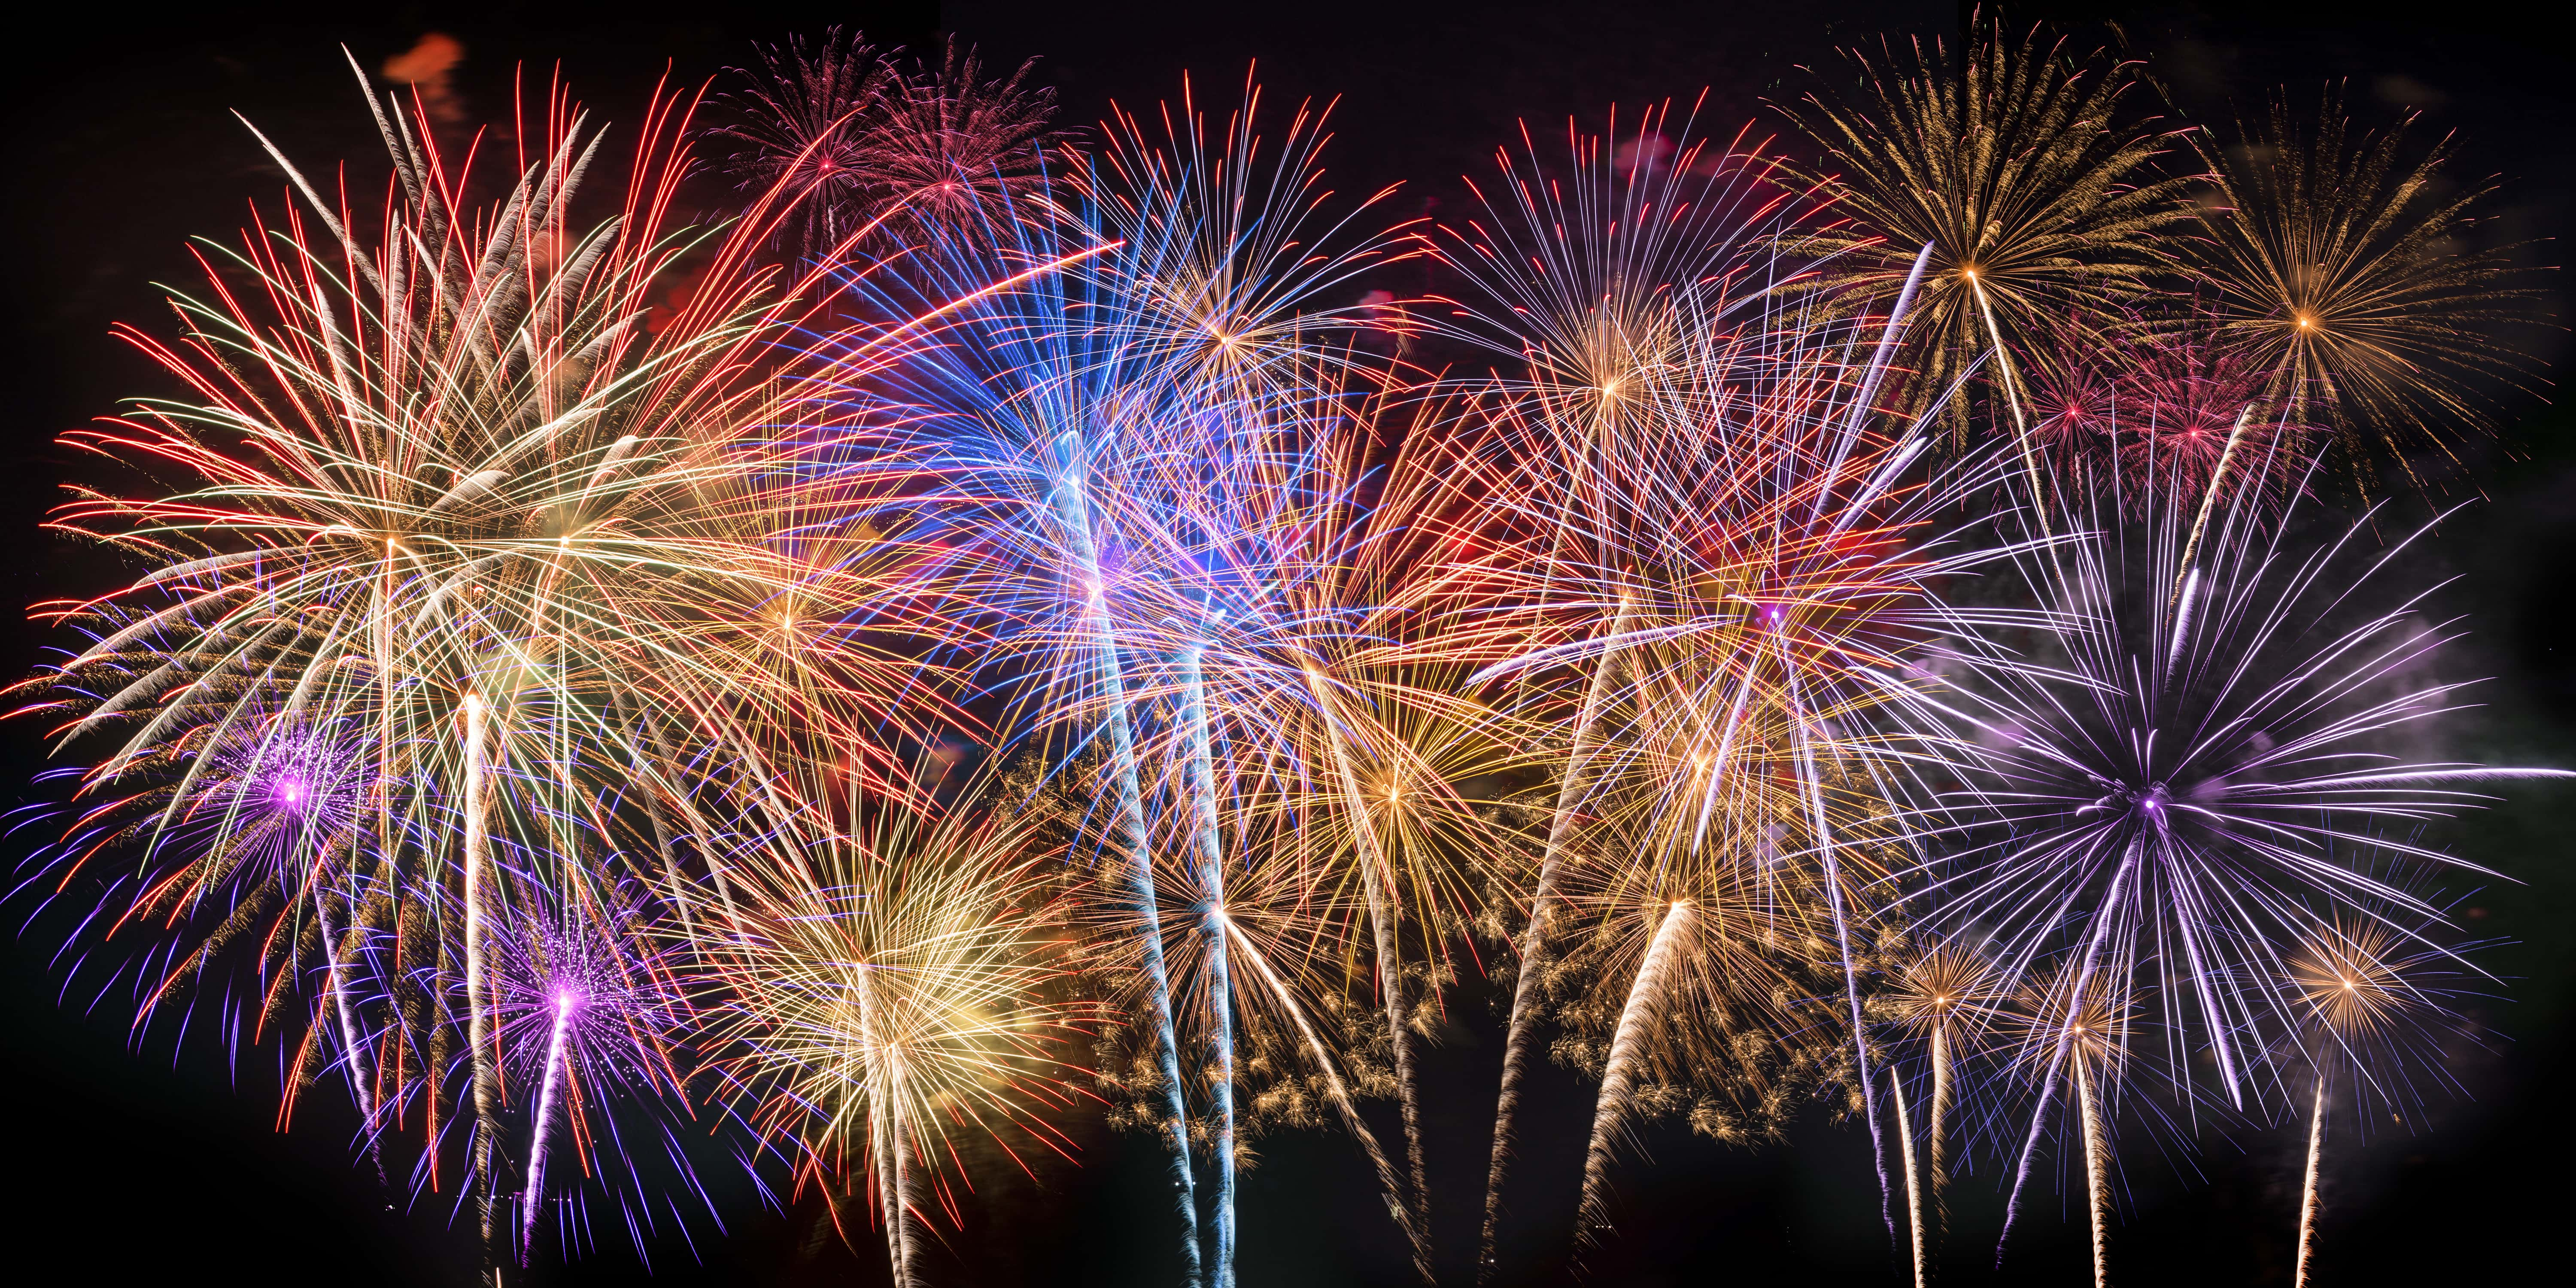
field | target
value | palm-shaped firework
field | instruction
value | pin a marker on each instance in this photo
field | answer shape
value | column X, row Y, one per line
column 1948, row 998
column 2007, row 157
column 2336, row 261
column 2376, row 996
column 590, row 1016
column 2179, row 791
column 1310, row 628
column 880, row 983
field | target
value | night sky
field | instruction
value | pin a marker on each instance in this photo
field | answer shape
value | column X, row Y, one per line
column 151, row 1165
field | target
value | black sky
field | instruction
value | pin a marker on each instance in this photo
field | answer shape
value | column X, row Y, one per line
column 145, row 1166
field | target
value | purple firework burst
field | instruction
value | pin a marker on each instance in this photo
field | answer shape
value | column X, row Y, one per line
column 2199, row 773
column 587, row 1026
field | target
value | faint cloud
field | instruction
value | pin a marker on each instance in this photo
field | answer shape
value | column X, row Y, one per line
column 2399, row 90
column 427, row 68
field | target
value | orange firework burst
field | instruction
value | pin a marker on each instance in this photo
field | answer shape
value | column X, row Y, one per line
column 2008, row 160
column 2339, row 265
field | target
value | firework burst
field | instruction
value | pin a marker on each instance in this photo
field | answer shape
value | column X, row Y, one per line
column 884, row 988
column 808, row 125
column 2378, row 998
column 473, row 497
column 588, row 1012
column 2009, row 160
column 2338, row 266
column 2172, row 799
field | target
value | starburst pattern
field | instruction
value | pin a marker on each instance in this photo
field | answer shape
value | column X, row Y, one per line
column 607, row 700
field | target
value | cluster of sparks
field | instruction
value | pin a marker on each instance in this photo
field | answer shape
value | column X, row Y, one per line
column 1004, row 629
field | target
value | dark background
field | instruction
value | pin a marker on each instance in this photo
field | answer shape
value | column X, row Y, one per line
column 137, row 1163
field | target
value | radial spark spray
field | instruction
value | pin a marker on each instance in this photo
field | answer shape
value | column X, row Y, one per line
column 887, row 987
column 475, row 489
column 1052, row 416
column 2200, row 786
column 1772, row 558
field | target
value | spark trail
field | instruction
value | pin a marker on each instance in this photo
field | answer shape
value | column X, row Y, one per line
column 1619, row 1075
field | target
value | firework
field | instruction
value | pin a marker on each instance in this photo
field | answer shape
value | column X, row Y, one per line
column 251, row 843
column 1594, row 273
column 2006, row 158
column 2086, row 1026
column 885, row 987
column 860, row 143
column 1303, row 628
column 499, row 516
column 1913, row 1172
column 1618, row 1074
column 1757, row 539
column 1587, row 269
column 1061, row 422
column 1945, row 995
column 587, row 1009
column 2171, row 804
column 2337, row 265
column 2192, row 404
column 2376, row 997
column 808, row 125
column 1703, row 979
column 955, row 148
column 2072, row 389
column 598, row 692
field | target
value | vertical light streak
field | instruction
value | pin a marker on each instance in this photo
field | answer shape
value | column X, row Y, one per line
column 2097, row 1184
column 2012, row 398
column 536, row 1196
column 1717, row 760
column 1341, row 1097
column 886, row 1136
column 2208, row 501
column 899, row 1218
column 1534, row 948
column 1375, row 878
column 336, row 976
column 1939, row 1109
column 381, row 630
column 2180, row 607
column 1202, row 788
column 477, row 1018
column 1618, row 1075
column 1905, row 1151
column 1814, row 790
column 336, row 981
column 1074, row 512
column 2308, row 1187
column 2065, row 1039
